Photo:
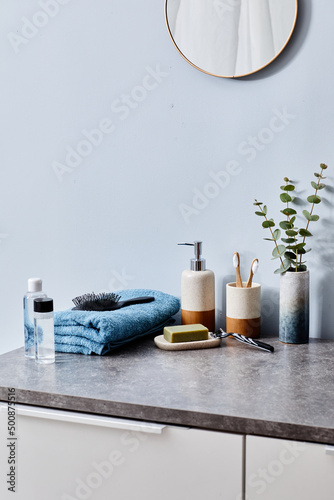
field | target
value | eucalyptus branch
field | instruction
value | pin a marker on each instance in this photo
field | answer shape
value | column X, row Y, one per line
column 270, row 224
column 292, row 254
column 287, row 181
column 315, row 199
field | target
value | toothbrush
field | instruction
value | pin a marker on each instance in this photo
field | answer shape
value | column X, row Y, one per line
column 253, row 269
column 245, row 340
column 236, row 263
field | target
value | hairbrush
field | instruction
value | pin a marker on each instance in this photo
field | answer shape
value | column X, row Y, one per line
column 105, row 302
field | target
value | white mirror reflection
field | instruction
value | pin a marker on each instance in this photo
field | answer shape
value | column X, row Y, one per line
column 230, row 38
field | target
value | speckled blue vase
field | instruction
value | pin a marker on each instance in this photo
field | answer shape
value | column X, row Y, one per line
column 294, row 307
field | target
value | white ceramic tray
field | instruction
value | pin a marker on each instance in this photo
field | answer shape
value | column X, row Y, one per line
column 181, row 346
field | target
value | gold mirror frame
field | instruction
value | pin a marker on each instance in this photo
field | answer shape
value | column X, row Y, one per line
column 229, row 4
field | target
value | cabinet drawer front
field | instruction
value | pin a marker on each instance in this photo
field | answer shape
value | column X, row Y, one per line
column 279, row 469
column 69, row 456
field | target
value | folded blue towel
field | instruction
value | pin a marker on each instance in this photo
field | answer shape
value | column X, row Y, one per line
column 99, row 332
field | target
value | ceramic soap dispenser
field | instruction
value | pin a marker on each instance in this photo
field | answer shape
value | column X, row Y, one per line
column 198, row 291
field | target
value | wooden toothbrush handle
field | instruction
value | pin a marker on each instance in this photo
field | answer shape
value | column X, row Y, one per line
column 239, row 280
column 250, row 279
column 251, row 274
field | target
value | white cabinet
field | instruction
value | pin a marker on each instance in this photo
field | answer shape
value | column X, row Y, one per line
column 71, row 456
column 278, row 469
column 61, row 455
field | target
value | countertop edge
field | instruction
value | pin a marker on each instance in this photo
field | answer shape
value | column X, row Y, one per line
column 175, row 416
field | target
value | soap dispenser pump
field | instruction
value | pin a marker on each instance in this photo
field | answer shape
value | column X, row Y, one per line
column 198, row 291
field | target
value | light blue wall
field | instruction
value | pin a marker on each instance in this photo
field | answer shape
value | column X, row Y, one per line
column 113, row 220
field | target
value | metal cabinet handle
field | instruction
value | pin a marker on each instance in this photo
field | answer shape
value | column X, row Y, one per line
column 329, row 450
column 88, row 419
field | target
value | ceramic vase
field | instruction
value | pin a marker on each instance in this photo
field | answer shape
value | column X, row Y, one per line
column 294, row 307
column 243, row 309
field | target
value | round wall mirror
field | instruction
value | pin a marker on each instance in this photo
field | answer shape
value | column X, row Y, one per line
column 230, row 38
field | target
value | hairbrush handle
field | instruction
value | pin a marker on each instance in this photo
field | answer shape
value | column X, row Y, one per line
column 134, row 300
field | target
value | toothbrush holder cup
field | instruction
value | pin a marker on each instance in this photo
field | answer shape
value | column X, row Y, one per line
column 243, row 309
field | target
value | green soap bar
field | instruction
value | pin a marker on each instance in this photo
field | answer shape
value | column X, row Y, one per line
column 185, row 333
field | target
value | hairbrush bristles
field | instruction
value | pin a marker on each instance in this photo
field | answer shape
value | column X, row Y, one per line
column 95, row 302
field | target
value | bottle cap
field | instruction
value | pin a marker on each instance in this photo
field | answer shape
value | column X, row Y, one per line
column 196, row 264
column 34, row 285
column 43, row 305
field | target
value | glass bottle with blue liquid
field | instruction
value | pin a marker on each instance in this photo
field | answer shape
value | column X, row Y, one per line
column 34, row 291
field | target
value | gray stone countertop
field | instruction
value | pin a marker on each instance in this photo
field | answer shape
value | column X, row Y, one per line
column 234, row 388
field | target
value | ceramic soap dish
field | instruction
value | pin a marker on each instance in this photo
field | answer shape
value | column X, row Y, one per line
column 162, row 343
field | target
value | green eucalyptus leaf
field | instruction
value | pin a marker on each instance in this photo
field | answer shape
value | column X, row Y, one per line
column 292, row 220
column 268, row 223
column 318, row 186
column 268, row 239
column 260, row 214
column 279, row 251
column 302, row 268
column 304, row 232
column 314, row 199
column 291, row 232
column 288, row 240
column 285, row 225
column 296, row 250
column 323, row 166
column 310, row 217
column 307, row 215
column 285, row 197
column 290, row 256
column 277, row 234
column 288, row 211
column 258, row 203
column 286, row 179
column 288, row 187
column 264, row 209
